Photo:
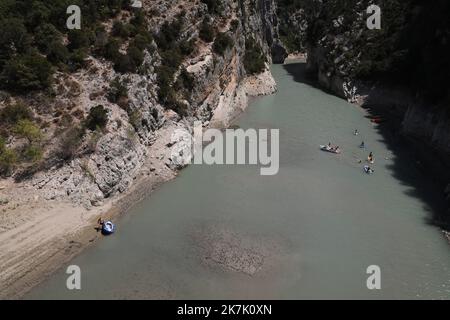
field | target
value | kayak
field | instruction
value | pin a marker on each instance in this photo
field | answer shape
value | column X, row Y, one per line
column 329, row 149
column 368, row 170
column 108, row 228
column 377, row 120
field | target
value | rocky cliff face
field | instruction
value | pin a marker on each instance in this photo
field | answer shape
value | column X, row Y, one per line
column 114, row 158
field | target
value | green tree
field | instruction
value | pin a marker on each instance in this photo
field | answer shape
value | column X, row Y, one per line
column 78, row 39
column 142, row 40
column 45, row 35
column 77, row 59
column 206, row 31
column 117, row 90
column 139, row 19
column 37, row 14
column 33, row 153
column 11, row 114
column 120, row 30
column 111, row 50
column 214, row 6
column 8, row 160
column 187, row 47
column 136, row 55
column 222, row 43
column 254, row 60
column 13, row 38
column 97, row 118
column 2, row 144
column 58, row 53
column 28, row 130
column 26, row 72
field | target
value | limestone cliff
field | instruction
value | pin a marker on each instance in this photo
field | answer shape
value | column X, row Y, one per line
column 214, row 88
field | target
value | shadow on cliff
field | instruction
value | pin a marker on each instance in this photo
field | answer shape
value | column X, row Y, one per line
column 416, row 169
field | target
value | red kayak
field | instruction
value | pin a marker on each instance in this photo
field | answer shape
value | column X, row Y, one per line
column 377, row 120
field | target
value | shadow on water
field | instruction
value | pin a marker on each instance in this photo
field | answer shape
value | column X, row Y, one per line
column 417, row 169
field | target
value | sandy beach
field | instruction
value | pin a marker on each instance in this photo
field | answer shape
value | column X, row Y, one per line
column 38, row 236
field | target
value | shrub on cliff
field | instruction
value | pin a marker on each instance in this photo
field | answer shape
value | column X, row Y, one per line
column 234, row 25
column 169, row 34
column 13, row 38
column 206, row 32
column 26, row 72
column 171, row 59
column 117, row 91
column 124, row 64
column 8, row 160
column 174, row 104
column 120, row 30
column 111, row 50
column 58, row 53
column 129, row 62
column 28, row 130
column 77, row 59
column 136, row 55
column 254, row 60
column 32, row 153
column 2, row 144
column 185, row 81
column 164, row 78
column 222, row 43
column 69, row 142
column 187, row 47
column 139, row 19
column 45, row 36
column 143, row 40
column 97, row 118
column 78, row 39
column 11, row 114
column 214, row 6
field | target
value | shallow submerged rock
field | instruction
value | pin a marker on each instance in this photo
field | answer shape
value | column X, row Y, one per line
column 232, row 251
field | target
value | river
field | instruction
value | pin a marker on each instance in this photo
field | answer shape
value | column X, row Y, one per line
column 308, row 232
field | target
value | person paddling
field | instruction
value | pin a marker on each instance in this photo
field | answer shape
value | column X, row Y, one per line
column 362, row 145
